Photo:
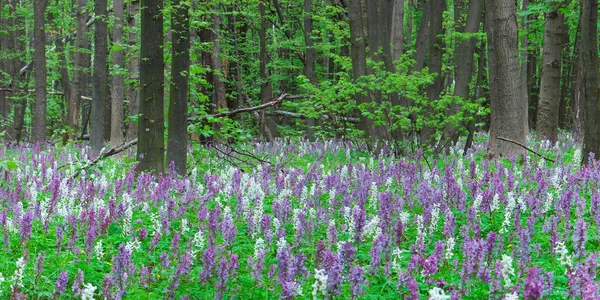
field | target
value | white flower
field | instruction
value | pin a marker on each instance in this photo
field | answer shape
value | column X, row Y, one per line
column 184, row 226
column 510, row 207
column 372, row 228
column 98, row 250
column 88, row 292
column 437, row 294
column 259, row 246
column 477, row 203
column 373, row 193
column 449, row 248
column 577, row 158
column 320, row 284
column 507, row 270
column 133, row 245
column 435, row 217
column 17, row 278
column 511, row 296
column 563, row 254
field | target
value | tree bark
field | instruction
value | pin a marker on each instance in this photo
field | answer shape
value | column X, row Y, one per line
column 464, row 63
column 309, row 58
column 358, row 55
column 178, row 104
column 151, row 130
column 589, row 47
column 79, row 63
column 39, row 41
column 436, row 45
column 100, row 79
column 117, row 121
column 508, row 110
column 133, row 66
column 397, row 29
column 266, row 88
column 422, row 43
column 548, row 107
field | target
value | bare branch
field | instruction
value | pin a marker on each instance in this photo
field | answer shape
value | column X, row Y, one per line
column 526, row 148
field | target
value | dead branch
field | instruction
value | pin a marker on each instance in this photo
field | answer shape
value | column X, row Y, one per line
column 110, row 152
column 526, row 148
column 290, row 114
column 271, row 103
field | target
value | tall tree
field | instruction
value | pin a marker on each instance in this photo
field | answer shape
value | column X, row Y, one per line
column 79, row 63
column 507, row 107
column 309, row 57
column 464, row 65
column 397, row 29
column 358, row 55
column 178, row 102
column 589, row 53
column 133, row 68
column 436, row 46
column 100, row 79
column 151, row 130
column 266, row 88
column 550, row 92
column 116, row 127
column 39, row 45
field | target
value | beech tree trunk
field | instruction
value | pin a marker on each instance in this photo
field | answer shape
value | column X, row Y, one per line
column 397, row 29
column 589, row 48
column 117, row 121
column 178, row 102
column 39, row 45
column 422, row 43
column 464, row 64
column 100, row 79
column 507, row 109
column 266, row 88
column 133, row 66
column 436, row 45
column 550, row 92
column 151, row 130
column 79, row 63
column 309, row 58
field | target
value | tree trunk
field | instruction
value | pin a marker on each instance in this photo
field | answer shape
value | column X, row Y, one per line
column 508, row 110
column 397, row 29
column 548, row 107
column 266, row 88
column 220, row 97
column 133, row 66
column 39, row 41
column 309, row 58
column 117, row 121
column 151, row 130
column 100, row 79
column 589, row 47
column 359, row 57
column 178, row 104
column 463, row 64
column 436, row 45
column 525, row 67
column 422, row 37
column 79, row 63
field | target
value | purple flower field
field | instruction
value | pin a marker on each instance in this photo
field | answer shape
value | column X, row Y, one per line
column 325, row 220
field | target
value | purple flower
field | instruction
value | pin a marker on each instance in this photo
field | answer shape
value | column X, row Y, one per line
column 357, row 280
column 39, row 264
column 229, row 230
column 533, row 285
column 78, row 283
column 26, row 225
column 208, row 261
column 61, row 283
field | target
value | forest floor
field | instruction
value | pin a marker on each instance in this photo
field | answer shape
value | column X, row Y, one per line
column 295, row 219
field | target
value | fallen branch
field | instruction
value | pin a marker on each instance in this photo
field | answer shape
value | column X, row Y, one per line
column 272, row 103
column 110, row 152
column 290, row 114
column 526, row 148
